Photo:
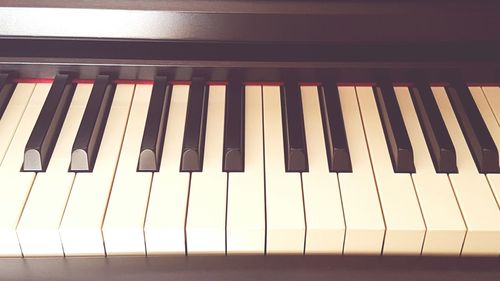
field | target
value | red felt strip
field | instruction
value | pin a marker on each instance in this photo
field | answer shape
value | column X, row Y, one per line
column 439, row 84
column 83, row 81
column 310, row 84
column 263, row 83
column 402, row 84
column 34, row 80
column 483, row 84
column 180, row 82
column 130, row 81
column 356, row 84
column 217, row 83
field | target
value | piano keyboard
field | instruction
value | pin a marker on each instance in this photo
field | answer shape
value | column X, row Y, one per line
column 93, row 168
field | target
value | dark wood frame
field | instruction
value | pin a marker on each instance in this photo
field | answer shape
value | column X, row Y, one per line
column 289, row 268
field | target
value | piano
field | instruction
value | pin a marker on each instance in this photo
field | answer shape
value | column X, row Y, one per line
column 236, row 139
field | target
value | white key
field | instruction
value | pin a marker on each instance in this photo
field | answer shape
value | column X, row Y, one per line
column 284, row 202
column 123, row 228
column 323, row 205
column 80, row 229
column 206, row 217
column 246, row 229
column 166, row 216
column 13, row 113
column 16, row 185
column 38, row 229
column 476, row 200
column 493, row 96
column 405, row 226
column 445, row 226
column 365, row 226
column 489, row 106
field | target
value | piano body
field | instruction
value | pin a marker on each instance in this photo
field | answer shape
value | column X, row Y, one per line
column 225, row 139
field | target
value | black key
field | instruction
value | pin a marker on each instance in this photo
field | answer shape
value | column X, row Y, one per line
column 476, row 133
column 89, row 136
column 436, row 135
column 234, row 128
column 194, row 132
column 293, row 128
column 48, row 125
column 334, row 129
column 156, row 123
column 6, row 90
column 396, row 136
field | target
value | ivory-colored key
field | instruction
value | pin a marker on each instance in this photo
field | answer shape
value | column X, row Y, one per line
column 206, row 215
column 488, row 102
column 13, row 113
column 284, row 202
column 246, row 230
column 16, row 185
column 476, row 199
column 364, row 220
column 405, row 225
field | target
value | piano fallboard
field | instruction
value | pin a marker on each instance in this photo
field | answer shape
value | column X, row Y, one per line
column 267, row 40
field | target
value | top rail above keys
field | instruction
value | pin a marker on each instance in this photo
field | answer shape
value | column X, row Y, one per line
column 267, row 39
column 339, row 22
